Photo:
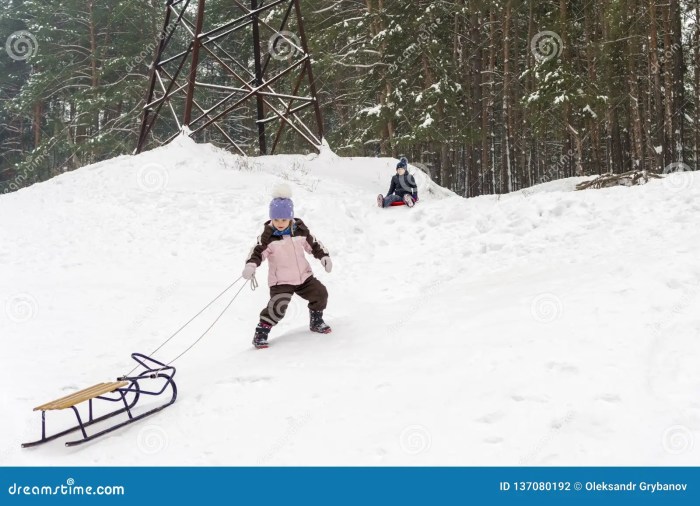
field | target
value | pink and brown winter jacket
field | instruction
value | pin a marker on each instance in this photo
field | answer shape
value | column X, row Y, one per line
column 288, row 265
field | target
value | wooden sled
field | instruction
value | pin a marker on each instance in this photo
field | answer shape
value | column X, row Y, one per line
column 125, row 390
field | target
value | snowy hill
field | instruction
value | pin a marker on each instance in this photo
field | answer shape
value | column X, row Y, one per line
column 545, row 327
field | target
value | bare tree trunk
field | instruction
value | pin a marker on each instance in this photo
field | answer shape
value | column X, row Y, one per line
column 655, row 114
column 529, row 88
column 93, row 44
column 488, row 118
column 635, row 117
column 389, row 126
column 696, row 47
column 386, row 129
column 591, row 122
column 614, row 141
column 669, row 156
column 579, row 150
column 506, row 183
column 446, row 173
column 678, row 65
column 94, row 75
column 476, row 167
column 36, row 123
column 565, row 55
column 517, row 126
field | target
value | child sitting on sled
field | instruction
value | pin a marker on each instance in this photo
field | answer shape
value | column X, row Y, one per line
column 283, row 242
column 403, row 187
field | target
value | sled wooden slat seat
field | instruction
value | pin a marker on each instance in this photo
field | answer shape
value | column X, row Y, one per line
column 83, row 395
column 153, row 379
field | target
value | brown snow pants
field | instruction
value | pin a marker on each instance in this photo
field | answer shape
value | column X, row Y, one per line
column 312, row 290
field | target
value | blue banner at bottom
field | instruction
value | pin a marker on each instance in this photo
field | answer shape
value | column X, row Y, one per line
column 352, row 485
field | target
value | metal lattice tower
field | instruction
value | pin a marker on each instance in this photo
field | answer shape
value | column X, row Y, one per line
column 225, row 74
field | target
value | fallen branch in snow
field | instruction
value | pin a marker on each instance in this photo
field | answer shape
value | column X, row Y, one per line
column 631, row 178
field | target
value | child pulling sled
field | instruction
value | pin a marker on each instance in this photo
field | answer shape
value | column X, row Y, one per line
column 283, row 242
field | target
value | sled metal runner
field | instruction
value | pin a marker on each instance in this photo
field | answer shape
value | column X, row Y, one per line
column 126, row 391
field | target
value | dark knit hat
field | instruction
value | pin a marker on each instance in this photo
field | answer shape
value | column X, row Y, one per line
column 403, row 163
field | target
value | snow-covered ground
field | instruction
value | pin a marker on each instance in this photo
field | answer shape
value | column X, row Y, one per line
column 545, row 327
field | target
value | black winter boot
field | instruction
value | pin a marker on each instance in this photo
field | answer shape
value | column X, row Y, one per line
column 261, row 333
column 317, row 323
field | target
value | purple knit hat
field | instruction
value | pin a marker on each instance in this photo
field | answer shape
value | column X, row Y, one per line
column 282, row 207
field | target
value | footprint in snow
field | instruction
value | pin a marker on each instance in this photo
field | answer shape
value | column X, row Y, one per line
column 674, row 284
column 243, row 380
column 490, row 417
column 562, row 367
column 531, row 398
column 613, row 398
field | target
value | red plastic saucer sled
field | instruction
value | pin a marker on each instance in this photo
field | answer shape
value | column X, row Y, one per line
column 380, row 199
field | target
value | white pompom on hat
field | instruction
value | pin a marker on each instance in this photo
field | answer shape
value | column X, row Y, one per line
column 282, row 191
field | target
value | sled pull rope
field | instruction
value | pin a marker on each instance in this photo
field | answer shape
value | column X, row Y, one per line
column 253, row 286
column 253, row 282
